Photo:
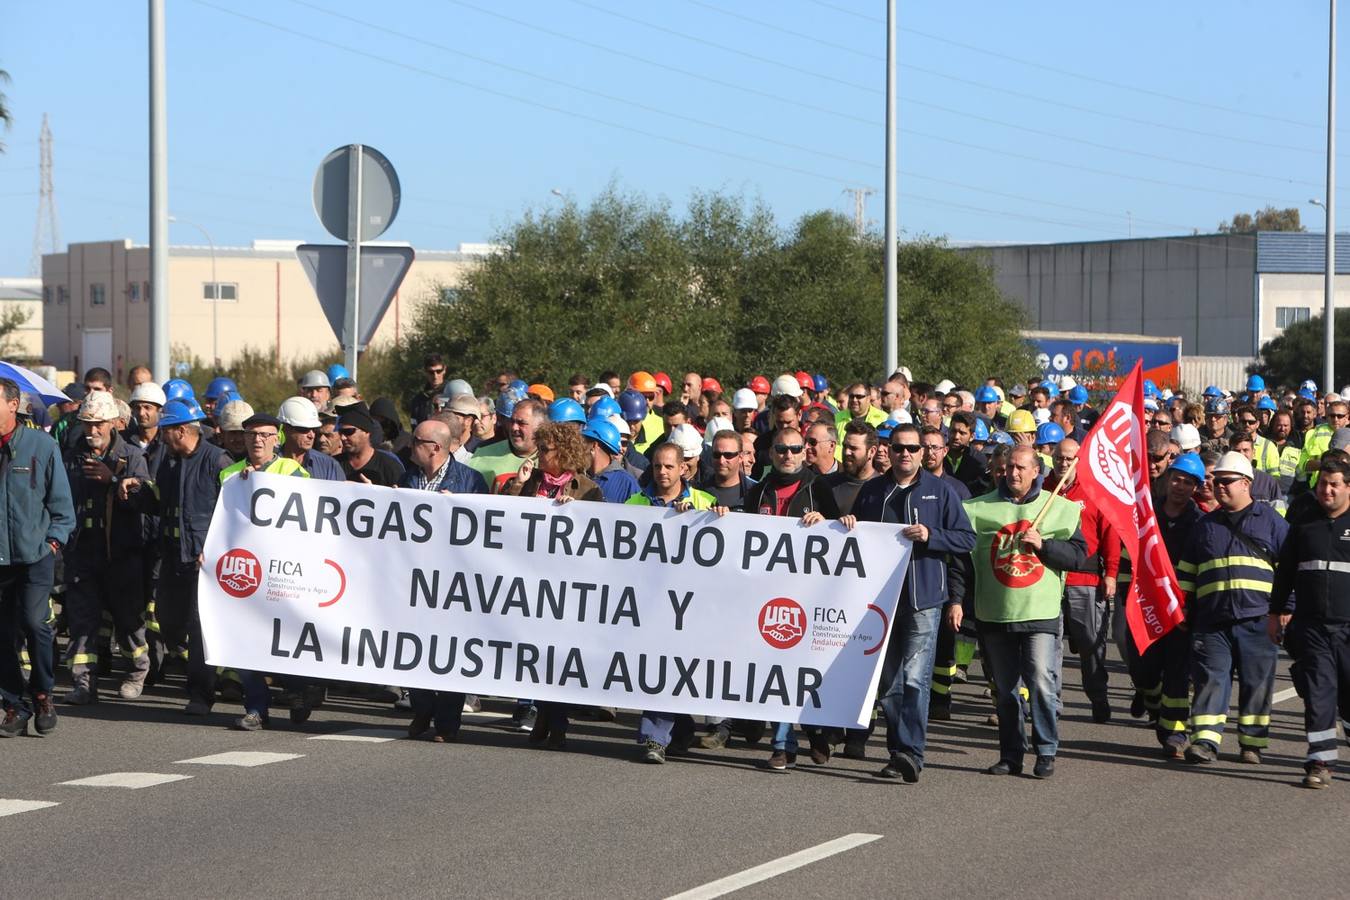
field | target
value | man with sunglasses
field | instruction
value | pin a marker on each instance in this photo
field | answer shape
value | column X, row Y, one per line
column 1265, row 456
column 1317, row 442
column 857, row 408
column 361, row 461
column 422, row 404
column 931, row 517
column 728, row 482
column 1161, row 421
column 821, row 440
column 1264, row 488
column 1227, row 571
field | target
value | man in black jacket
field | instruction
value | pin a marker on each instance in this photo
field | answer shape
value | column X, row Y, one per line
column 964, row 462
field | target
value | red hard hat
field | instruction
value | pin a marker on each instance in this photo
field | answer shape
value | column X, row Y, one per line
column 712, row 385
column 759, row 384
column 806, row 381
column 664, row 381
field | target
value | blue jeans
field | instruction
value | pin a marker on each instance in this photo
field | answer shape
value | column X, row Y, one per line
column 257, row 696
column 662, row 727
column 1031, row 658
column 784, row 737
column 906, row 678
column 26, row 619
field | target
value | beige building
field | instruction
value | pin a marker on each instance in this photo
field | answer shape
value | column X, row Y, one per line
column 25, row 294
column 95, row 308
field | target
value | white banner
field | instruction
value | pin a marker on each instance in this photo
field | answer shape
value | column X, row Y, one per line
column 746, row 616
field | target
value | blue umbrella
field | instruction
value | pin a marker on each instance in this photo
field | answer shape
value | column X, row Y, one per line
column 32, row 383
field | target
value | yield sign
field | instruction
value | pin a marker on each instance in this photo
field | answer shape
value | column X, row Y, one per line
column 382, row 271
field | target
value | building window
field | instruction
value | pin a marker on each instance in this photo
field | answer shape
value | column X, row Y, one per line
column 449, row 296
column 145, row 290
column 46, row 295
column 134, row 291
column 98, row 295
column 228, row 293
column 60, row 293
column 1288, row 315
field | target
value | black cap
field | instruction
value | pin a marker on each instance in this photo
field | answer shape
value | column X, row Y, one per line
column 357, row 418
column 75, row 391
column 257, row 419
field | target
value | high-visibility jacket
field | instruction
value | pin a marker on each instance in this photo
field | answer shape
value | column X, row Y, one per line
column 282, row 465
column 698, row 499
column 1289, row 456
column 1266, row 456
column 1315, row 443
column 874, row 417
column 1228, row 566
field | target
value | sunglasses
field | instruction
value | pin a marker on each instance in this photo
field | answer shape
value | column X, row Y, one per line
column 727, row 454
column 908, row 448
column 857, row 396
column 1162, row 423
column 816, row 442
column 1160, row 457
column 951, row 406
column 426, row 442
column 346, row 432
column 785, row 449
column 435, row 371
column 1337, row 415
column 1227, row 480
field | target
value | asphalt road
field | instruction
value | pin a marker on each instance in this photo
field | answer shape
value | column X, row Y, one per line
column 492, row 817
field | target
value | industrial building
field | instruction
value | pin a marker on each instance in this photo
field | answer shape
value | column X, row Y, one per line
column 23, row 296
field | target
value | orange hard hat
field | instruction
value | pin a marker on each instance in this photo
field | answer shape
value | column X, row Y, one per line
column 542, row 391
column 642, row 382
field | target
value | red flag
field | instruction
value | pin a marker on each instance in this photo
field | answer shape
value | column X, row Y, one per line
column 1113, row 475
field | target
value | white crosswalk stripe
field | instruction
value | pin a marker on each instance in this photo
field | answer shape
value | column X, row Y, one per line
column 131, row 780
column 246, row 758
column 364, row 735
column 14, row 807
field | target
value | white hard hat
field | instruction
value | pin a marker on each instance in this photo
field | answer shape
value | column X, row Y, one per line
column 148, row 392
column 315, row 378
column 944, row 386
column 1234, row 463
column 715, row 424
column 98, row 406
column 618, row 422
column 298, row 412
column 231, row 416
column 744, row 399
column 786, row 384
column 904, row 370
column 1041, row 415
column 1186, row 436
column 456, row 387
column 1067, row 382
column 687, row 438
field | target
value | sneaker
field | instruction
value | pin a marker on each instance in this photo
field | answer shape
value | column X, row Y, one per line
column 526, row 722
column 781, row 761
column 403, row 701
column 1318, row 777
column 419, row 725
column 130, row 690
column 653, row 753
column 13, row 724
column 1250, row 756
column 249, row 721
column 1044, row 768
column 44, row 717
column 1137, row 707
column 1004, row 767
column 715, row 739
column 1101, row 712
column 820, row 749
column 472, row 704
column 1201, row 752
column 854, row 748
column 940, row 711
column 79, row 696
column 901, row 766
column 197, row 708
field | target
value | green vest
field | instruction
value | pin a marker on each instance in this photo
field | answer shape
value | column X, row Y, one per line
column 1317, row 442
column 282, row 465
column 698, row 499
column 1012, row 585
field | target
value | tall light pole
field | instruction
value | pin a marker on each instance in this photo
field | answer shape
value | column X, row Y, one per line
column 892, row 301
column 159, row 201
column 1329, row 305
column 215, row 292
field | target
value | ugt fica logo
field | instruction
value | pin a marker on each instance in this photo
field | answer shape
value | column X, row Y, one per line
column 782, row 623
column 239, row 573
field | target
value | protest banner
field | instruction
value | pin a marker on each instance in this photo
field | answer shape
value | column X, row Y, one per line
column 636, row 607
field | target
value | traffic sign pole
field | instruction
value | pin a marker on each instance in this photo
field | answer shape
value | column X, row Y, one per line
column 351, row 321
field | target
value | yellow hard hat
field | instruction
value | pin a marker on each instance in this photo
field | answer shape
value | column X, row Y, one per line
column 1021, row 422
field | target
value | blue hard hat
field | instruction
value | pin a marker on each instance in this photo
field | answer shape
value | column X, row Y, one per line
column 1309, row 384
column 1001, row 437
column 633, row 405
column 1217, row 407
column 1266, row 403
column 178, row 389
column 986, row 394
column 227, row 397
column 885, row 428
column 981, row 430
column 820, row 382
column 1051, row 387
column 519, row 385
column 336, row 371
column 507, row 400
column 604, row 408
column 604, row 434
column 1078, row 395
column 1189, row 464
column 566, row 410
column 1049, row 433
column 1150, row 389
column 1212, row 391
column 219, row 385
column 1256, row 383
column 180, row 412
column 1307, row 394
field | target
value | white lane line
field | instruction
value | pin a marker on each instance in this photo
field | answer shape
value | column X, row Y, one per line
column 776, row 867
column 14, row 807
column 1281, row 696
column 239, row 758
column 364, row 735
column 484, row 716
column 133, row 780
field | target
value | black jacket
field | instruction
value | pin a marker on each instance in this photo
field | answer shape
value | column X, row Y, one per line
column 812, row 495
column 972, row 472
column 183, row 492
column 1315, row 563
column 104, row 525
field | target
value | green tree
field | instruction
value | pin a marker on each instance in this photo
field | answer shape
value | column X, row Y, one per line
column 1268, row 219
column 626, row 284
column 11, row 320
column 1297, row 353
column 5, row 119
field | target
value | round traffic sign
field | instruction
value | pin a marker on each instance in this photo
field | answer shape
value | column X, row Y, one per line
column 380, row 192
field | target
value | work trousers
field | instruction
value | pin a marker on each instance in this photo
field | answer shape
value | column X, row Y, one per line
column 1031, row 657
column 1324, row 670
column 1163, row 675
column 952, row 650
column 1243, row 646
column 176, row 611
column 26, row 619
column 96, row 585
column 1085, row 623
column 446, row 709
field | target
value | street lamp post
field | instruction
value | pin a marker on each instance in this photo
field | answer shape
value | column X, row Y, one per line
column 1329, row 313
column 215, row 291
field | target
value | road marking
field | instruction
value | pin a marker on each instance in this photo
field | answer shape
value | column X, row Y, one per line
column 776, row 867
column 364, row 735
column 1281, row 696
column 239, row 758
column 14, row 807
column 133, row 780
column 484, row 716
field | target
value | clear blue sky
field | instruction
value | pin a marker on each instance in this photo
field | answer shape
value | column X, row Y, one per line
column 1019, row 122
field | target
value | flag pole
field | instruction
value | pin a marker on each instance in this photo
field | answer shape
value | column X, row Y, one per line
column 1059, row 489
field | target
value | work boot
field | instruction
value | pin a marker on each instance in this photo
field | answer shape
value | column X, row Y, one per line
column 1137, row 706
column 1250, row 756
column 79, row 696
column 1101, row 711
column 13, row 724
column 854, row 748
column 1174, row 749
column 752, row 732
column 715, row 739
column 419, row 725
column 653, row 753
column 1317, row 777
column 901, row 766
column 940, row 710
column 44, row 717
column 1044, row 768
column 130, row 690
column 781, row 761
column 679, row 746
column 1201, row 752
column 1004, row 767
column 820, row 748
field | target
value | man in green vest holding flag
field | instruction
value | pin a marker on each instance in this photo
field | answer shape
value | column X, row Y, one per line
column 1025, row 540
